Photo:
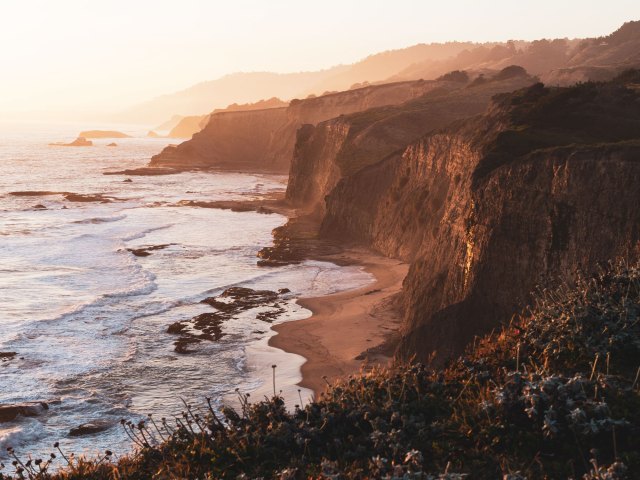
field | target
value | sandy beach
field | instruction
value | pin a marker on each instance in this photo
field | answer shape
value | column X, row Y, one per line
column 348, row 330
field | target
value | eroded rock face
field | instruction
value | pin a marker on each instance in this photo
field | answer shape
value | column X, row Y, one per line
column 547, row 182
column 342, row 146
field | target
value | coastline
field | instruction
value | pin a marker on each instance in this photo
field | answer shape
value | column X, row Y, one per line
column 349, row 330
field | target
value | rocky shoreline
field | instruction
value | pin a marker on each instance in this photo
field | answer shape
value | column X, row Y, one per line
column 348, row 331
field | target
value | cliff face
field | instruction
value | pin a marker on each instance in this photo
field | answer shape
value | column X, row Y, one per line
column 263, row 140
column 341, row 146
column 187, row 126
column 547, row 182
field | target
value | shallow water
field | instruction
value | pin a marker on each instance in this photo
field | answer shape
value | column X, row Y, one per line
column 88, row 319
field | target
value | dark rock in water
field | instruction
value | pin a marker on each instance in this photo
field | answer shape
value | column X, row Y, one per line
column 90, row 428
column 238, row 299
column 182, row 345
column 69, row 196
column 282, row 291
column 233, row 205
column 206, row 326
column 39, row 206
column 145, row 171
column 176, row 327
column 294, row 242
column 6, row 356
column 146, row 251
column 127, row 180
column 29, row 409
column 210, row 325
column 233, row 301
column 112, row 144
column 84, row 197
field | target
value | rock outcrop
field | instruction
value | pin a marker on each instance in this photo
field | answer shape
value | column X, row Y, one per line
column 28, row 409
column 263, row 140
column 91, row 428
column 103, row 134
column 78, row 142
column 545, row 183
column 341, row 146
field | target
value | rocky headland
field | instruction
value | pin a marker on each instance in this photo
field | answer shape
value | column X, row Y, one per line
column 541, row 186
column 103, row 134
column 78, row 142
column 484, row 192
column 263, row 140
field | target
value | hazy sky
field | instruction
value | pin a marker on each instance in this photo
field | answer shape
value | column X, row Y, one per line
column 79, row 55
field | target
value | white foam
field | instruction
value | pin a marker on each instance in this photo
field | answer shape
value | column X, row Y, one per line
column 89, row 318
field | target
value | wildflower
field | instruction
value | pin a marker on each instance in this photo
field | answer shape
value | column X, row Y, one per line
column 414, row 457
column 550, row 426
column 577, row 416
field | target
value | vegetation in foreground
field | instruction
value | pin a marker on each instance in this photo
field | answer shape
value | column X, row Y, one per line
column 554, row 395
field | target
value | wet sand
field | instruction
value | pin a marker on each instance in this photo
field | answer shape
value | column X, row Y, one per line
column 349, row 330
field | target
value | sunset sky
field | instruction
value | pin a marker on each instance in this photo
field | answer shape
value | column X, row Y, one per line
column 78, row 55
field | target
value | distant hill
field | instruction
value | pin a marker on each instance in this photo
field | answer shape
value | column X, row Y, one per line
column 556, row 61
column 103, row 134
column 204, row 97
column 187, row 126
column 251, row 87
column 560, row 61
column 169, row 124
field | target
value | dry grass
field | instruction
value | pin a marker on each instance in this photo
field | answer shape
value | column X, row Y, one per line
column 554, row 395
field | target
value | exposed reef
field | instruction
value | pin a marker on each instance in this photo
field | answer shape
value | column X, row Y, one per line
column 69, row 196
column 230, row 303
column 146, row 251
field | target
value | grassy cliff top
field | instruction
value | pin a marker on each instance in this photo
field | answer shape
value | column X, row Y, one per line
column 542, row 117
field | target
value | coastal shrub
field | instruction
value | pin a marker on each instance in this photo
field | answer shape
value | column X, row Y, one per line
column 556, row 394
column 540, row 117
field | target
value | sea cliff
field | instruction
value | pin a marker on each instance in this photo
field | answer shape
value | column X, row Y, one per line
column 263, row 140
column 542, row 185
column 339, row 147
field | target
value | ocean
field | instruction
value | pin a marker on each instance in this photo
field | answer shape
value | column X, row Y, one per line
column 88, row 319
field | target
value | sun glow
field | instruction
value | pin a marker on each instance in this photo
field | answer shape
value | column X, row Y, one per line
column 72, row 57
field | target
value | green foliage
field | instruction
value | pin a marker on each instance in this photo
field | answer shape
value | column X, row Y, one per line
column 585, row 114
column 554, row 395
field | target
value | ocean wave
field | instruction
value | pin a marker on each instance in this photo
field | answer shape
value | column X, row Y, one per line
column 97, row 220
column 143, row 233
